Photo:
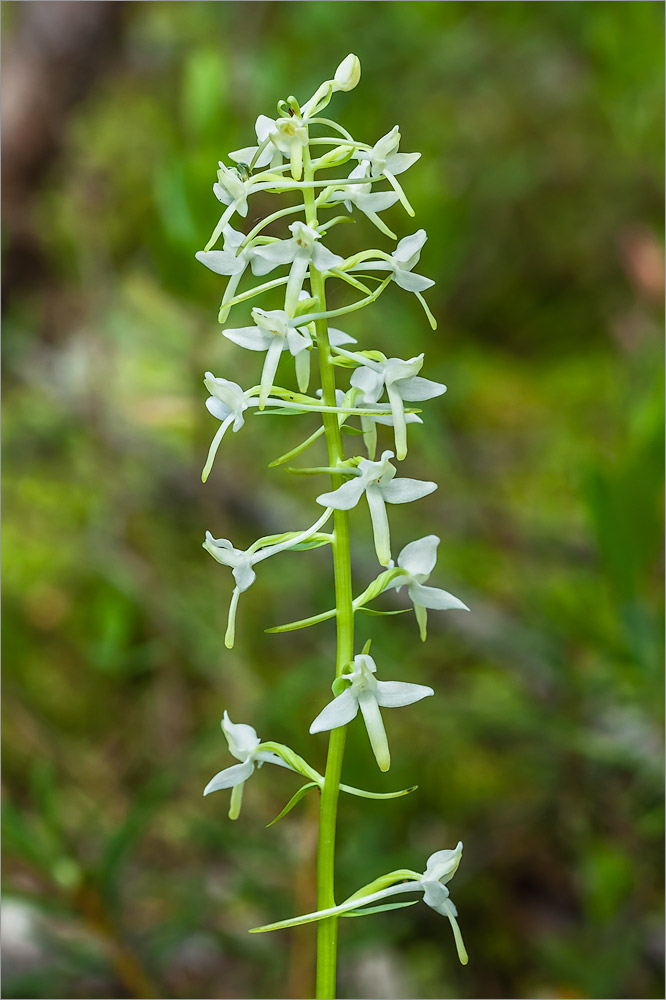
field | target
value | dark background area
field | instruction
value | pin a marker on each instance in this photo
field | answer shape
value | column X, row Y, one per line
column 540, row 187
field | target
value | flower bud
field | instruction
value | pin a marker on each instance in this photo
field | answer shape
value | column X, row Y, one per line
column 348, row 73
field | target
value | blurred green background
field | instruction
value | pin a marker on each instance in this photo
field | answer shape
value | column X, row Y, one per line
column 540, row 186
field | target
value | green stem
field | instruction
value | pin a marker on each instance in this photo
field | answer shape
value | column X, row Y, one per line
column 327, row 932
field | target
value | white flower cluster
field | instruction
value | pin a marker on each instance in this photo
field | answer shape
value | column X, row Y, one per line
column 302, row 152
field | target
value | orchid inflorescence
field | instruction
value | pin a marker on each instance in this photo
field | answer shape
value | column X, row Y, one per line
column 304, row 152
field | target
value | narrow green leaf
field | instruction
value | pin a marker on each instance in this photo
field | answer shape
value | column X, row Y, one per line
column 362, row 794
column 371, row 611
column 303, row 623
column 293, row 801
column 281, row 411
column 298, row 449
column 379, row 909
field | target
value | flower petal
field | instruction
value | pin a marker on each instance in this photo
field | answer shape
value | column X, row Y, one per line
column 395, row 694
column 324, row 259
column 221, row 261
column 217, row 408
column 417, row 388
column 376, row 732
column 273, row 255
column 405, row 490
column 231, row 776
column 380, row 524
column 442, row 865
column 345, row 497
column 399, row 162
column 338, row 337
column 337, row 713
column 250, row 337
column 411, row 282
column 369, row 382
column 410, row 245
column 273, row 353
column 420, row 556
column 433, row 597
column 244, row 575
column 242, row 739
column 377, row 201
column 263, row 127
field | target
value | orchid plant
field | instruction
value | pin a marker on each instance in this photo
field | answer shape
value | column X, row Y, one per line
column 303, row 152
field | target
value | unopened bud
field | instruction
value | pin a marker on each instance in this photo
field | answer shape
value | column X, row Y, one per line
column 348, row 73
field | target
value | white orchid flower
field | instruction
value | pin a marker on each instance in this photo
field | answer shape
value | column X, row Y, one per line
column 377, row 480
column 277, row 137
column 384, row 157
column 265, row 152
column 417, row 561
column 364, row 198
column 272, row 334
column 300, row 251
column 368, row 694
column 243, row 744
column 290, row 136
column 232, row 189
column 242, row 563
column 405, row 256
column 233, row 261
column 440, row 869
column 228, row 402
column 402, row 383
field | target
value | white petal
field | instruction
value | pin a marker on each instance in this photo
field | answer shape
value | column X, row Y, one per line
column 395, row 694
column 221, row 261
column 433, row 597
column 338, row 337
column 270, row 367
column 399, row 162
column 369, row 382
column 243, row 155
column 442, row 865
column 420, row 556
column 338, row 712
column 250, row 337
column 231, row 776
column 411, row 282
column 377, row 201
column 217, row 408
column 272, row 255
column 323, row 259
column 421, row 615
column 302, row 370
column 397, row 370
column 376, row 732
column 409, row 246
column 406, row 490
column 298, row 340
column 222, row 194
column 380, row 524
column 345, row 497
column 242, row 739
column 413, row 389
column 263, row 127
column 244, row 575
column 232, row 238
